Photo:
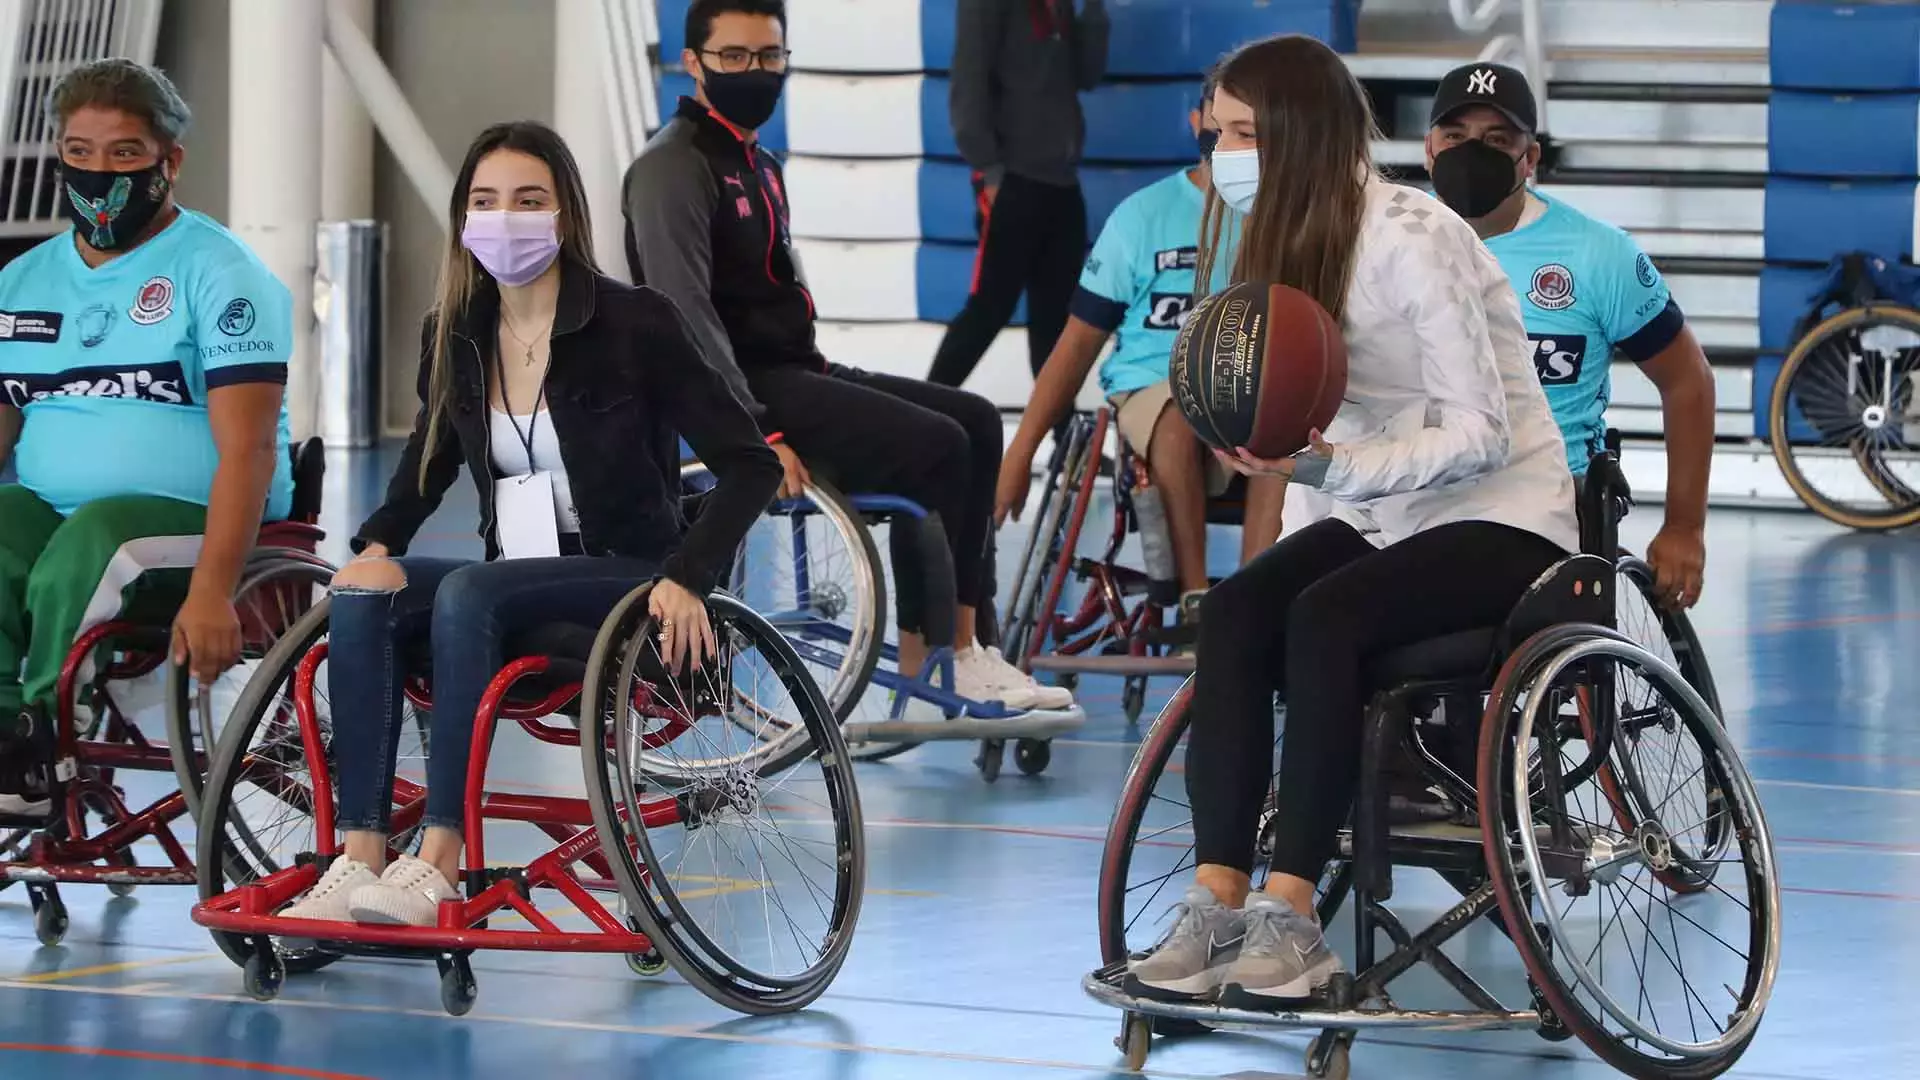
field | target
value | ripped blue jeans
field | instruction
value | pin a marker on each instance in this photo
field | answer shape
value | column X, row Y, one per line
column 463, row 612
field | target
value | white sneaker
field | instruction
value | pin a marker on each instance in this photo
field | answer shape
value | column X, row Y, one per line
column 328, row 899
column 408, row 894
column 983, row 667
column 19, row 806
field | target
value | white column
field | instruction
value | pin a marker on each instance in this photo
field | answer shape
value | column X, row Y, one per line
column 346, row 134
column 274, row 171
column 583, row 118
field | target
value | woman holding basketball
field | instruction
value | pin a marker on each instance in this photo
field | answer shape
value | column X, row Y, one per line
column 1437, row 495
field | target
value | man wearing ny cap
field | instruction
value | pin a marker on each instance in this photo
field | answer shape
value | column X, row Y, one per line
column 1586, row 289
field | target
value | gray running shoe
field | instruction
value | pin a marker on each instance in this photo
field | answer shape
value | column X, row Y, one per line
column 1284, row 957
column 1192, row 960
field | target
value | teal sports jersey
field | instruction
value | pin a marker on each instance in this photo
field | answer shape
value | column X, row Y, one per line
column 1138, row 282
column 111, row 367
column 1586, row 289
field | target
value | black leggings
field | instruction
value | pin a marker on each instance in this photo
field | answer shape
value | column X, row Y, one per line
column 875, row 434
column 1298, row 621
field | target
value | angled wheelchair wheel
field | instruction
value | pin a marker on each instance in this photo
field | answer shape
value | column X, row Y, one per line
column 1648, row 748
column 1046, row 558
column 1658, row 982
column 277, row 587
column 751, row 884
column 1844, row 419
column 258, row 804
column 811, row 568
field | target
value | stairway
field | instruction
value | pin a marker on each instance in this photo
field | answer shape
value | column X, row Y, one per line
column 40, row 41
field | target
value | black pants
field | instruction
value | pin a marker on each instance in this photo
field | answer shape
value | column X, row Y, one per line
column 1032, row 241
column 1298, row 621
column 875, row 434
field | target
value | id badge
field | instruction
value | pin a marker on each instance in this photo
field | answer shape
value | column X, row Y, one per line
column 523, row 517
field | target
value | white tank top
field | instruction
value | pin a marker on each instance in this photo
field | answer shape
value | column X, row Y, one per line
column 507, row 445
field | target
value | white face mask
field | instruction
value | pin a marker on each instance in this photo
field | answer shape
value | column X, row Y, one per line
column 1236, row 176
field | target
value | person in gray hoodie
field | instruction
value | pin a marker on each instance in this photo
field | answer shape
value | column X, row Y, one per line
column 1018, row 69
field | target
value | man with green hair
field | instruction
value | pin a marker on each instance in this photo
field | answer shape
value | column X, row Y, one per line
column 143, row 363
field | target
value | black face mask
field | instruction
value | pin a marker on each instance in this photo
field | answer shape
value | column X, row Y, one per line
column 111, row 209
column 746, row 99
column 1207, row 140
column 1474, row 178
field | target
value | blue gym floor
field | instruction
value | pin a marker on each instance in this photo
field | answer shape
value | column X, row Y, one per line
column 979, row 918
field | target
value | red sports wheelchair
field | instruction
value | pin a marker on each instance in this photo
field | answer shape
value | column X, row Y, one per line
column 671, row 763
column 94, row 836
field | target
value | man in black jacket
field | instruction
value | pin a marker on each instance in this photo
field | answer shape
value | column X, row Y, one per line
column 1018, row 69
column 707, row 224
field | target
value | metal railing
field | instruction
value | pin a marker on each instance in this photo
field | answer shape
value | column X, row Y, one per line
column 40, row 41
column 1526, row 50
column 629, row 40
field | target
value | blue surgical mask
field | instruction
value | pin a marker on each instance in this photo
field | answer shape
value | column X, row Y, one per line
column 1236, row 176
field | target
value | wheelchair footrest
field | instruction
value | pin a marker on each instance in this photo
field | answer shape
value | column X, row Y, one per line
column 1038, row 724
column 1104, row 986
column 1114, row 665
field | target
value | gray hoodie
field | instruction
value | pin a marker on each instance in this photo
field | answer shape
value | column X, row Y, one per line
column 1018, row 69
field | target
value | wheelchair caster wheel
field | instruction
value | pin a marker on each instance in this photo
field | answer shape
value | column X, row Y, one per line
column 1133, row 700
column 1032, row 755
column 1328, row 1056
column 1136, row 1040
column 991, row 752
column 647, row 964
column 1551, row 1027
column 49, row 914
column 1070, row 682
column 264, row 973
column 121, row 888
column 457, row 986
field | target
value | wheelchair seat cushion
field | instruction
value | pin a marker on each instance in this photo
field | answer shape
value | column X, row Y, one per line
column 1454, row 656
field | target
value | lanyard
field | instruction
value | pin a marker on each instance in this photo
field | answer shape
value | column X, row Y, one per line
column 533, row 422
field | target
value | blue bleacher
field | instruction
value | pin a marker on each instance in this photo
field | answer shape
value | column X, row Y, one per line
column 1843, row 149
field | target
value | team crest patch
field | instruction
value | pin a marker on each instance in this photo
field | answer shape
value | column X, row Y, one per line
column 1552, row 288
column 237, row 319
column 1643, row 269
column 94, row 324
column 154, row 302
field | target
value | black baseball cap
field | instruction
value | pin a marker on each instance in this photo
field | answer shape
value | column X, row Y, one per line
column 1496, row 86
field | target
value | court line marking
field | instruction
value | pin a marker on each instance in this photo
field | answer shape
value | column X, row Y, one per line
column 180, row 1059
column 109, row 969
column 649, row 1031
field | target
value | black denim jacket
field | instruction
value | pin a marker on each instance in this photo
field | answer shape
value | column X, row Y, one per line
column 624, row 384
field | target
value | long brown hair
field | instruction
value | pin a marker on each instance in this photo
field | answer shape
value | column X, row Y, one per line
column 461, row 276
column 1316, row 132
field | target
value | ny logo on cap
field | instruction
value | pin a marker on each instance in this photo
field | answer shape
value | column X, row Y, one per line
column 1480, row 82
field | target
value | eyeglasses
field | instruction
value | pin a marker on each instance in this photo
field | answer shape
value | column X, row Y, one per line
column 735, row 59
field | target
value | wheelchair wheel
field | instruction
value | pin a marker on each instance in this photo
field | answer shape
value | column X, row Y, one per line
column 257, row 813
column 1648, row 749
column 277, row 588
column 682, row 880
column 1844, row 420
column 813, row 570
column 1069, row 479
column 1555, row 849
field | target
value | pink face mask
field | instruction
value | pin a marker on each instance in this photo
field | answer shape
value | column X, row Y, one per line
column 515, row 247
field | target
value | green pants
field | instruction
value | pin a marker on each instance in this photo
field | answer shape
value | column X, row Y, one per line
column 60, row 576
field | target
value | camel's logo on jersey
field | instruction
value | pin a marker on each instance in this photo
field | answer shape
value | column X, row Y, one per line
column 1168, row 311
column 163, row 384
column 1559, row 357
column 1552, row 288
column 103, row 212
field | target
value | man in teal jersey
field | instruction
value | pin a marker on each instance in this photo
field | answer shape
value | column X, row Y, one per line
column 143, row 359
column 1137, row 288
column 1586, row 289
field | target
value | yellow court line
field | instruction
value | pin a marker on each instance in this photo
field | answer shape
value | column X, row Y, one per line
column 108, row 969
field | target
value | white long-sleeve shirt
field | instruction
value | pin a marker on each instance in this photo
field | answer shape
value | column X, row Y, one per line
column 1444, row 419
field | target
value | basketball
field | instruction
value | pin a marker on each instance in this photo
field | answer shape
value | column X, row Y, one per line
column 1258, row 366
